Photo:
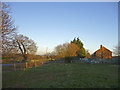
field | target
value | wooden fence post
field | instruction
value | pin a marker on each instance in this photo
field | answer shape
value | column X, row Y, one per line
column 35, row 63
column 21, row 65
column 14, row 67
column 26, row 65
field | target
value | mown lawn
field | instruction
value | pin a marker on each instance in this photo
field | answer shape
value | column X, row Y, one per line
column 63, row 76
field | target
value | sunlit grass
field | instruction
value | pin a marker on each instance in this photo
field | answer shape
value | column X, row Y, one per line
column 64, row 76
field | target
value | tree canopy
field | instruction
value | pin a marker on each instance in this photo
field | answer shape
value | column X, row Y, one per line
column 81, row 52
column 25, row 45
column 116, row 50
column 66, row 50
column 7, row 27
column 12, row 42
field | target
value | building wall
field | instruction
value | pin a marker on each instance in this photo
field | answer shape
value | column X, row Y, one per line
column 105, row 53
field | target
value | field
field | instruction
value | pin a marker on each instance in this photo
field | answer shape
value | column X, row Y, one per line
column 63, row 75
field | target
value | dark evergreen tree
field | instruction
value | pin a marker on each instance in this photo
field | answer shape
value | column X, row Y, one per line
column 81, row 52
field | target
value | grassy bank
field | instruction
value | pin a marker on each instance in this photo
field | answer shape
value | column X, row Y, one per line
column 63, row 76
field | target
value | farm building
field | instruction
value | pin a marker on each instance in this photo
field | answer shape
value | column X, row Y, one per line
column 103, row 53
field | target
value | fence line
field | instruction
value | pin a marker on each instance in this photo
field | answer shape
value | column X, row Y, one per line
column 22, row 66
column 37, row 63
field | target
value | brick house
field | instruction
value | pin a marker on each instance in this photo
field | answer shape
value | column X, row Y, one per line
column 103, row 53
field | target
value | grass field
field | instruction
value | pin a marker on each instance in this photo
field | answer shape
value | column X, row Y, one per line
column 63, row 75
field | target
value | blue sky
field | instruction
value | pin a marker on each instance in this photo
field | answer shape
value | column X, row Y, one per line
column 51, row 24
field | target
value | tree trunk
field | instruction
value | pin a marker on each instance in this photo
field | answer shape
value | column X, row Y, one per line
column 25, row 57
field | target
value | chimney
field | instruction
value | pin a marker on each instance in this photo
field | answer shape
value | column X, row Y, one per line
column 100, row 46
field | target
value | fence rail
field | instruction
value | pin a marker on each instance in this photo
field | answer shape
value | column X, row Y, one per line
column 21, row 66
column 37, row 63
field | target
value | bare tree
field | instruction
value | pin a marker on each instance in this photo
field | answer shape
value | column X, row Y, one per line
column 0, row 34
column 87, row 54
column 11, row 42
column 67, row 50
column 116, row 51
column 24, row 45
column 59, row 50
column 7, row 28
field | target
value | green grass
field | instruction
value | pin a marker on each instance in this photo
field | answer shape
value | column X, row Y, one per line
column 63, row 76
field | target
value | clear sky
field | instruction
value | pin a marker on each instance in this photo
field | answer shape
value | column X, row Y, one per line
column 50, row 24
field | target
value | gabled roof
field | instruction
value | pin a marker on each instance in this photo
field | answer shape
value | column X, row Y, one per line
column 104, row 48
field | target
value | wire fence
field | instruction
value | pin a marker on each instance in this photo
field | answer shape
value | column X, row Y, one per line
column 97, row 61
column 88, row 61
column 37, row 63
column 21, row 66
